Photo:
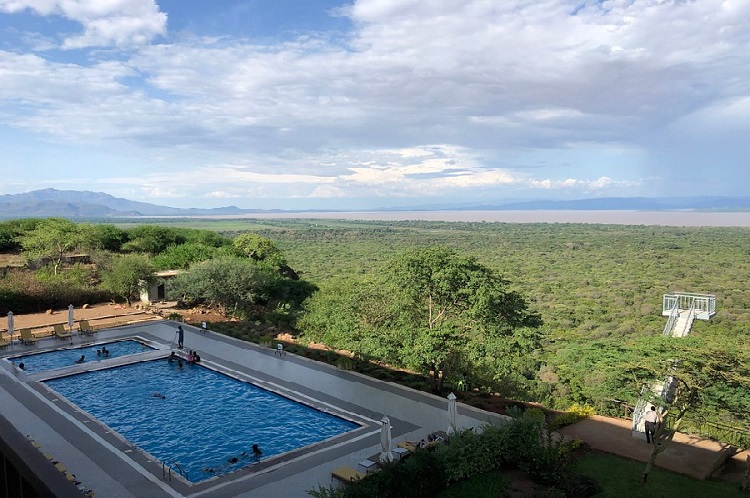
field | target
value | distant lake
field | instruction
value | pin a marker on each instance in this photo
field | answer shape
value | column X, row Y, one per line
column 664, row 218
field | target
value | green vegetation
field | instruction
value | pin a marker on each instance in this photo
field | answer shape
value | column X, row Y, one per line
column 596, row 288
column 619, row 477
column 472, row 458
column 118, row 263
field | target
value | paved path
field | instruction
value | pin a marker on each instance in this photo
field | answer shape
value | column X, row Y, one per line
column 686, row 454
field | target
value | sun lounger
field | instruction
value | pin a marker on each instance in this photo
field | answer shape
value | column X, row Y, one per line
column 347, row 474
column 85, row 328
column 61, row 333
column 4, row 343
column 26, row 336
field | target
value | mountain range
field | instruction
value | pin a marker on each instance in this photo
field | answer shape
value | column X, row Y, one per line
column 86, row 204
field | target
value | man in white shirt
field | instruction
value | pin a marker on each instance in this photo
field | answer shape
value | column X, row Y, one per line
column 652, row 420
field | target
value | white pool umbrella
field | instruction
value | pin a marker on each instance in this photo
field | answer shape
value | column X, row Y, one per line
column 385, row 440
column 10, row 325
column 452, row 413
column 71, row 317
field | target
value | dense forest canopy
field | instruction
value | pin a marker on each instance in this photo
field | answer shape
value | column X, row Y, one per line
column 597, row 290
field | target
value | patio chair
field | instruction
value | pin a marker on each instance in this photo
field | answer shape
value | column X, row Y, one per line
column 61, row 333
column 85, row 328
column 347, row 474
column 26, row 336
column 279, row 349
column 4, row 343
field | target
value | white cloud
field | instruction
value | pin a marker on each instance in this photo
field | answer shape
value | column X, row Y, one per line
column 105, row 22
column 497, row 85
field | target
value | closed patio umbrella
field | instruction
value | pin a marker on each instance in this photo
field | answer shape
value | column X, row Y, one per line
column 452, row 413
column 385, row 440
column 71, row 317
column 10, row 325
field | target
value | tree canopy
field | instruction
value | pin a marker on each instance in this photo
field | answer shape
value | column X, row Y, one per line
column 52, row 238
column 430, row 309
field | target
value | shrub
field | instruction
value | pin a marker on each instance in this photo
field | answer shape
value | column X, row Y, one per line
column 575, row 413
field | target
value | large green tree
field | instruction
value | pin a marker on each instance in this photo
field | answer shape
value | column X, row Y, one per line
column 128, row 275
column 259, row 249
column 233, row 284
column 52, row 238
column 447, row 302
column 431, row 309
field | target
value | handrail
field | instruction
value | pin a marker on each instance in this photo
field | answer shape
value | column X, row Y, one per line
column 725, row 433
column 166, row 470
column 673, row 316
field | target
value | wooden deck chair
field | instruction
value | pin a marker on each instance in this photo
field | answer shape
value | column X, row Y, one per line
column 347, row 474
column 61, row 333
column 3, row 342
column 85, row 328
column 43, row 333
column 26, row 336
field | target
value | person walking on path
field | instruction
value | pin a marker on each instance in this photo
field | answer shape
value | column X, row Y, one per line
column 652, row 420
column 180, row 336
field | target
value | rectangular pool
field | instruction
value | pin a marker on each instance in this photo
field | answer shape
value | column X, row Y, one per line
column 65, row 357
column 201, row 419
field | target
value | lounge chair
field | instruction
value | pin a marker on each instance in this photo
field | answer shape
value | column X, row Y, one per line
column 347, row 474
column 85, row 328
column 61, row 333
column 26, row 336
column 4, row 343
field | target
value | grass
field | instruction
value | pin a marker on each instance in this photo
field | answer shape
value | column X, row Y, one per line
column 620, row 478
column 489, row 485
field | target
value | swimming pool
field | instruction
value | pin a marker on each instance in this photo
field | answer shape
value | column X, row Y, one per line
column 205, row 419
column 65, row 357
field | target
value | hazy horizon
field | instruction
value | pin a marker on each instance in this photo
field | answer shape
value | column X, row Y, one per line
column 620, row 217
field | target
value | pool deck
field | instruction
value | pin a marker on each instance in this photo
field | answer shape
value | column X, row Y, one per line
column 111, row 467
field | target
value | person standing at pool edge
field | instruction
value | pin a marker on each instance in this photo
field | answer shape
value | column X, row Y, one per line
column 180, row 336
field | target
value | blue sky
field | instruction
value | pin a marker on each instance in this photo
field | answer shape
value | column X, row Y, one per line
column 374, row 103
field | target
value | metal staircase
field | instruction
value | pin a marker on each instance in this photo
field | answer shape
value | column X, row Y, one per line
column 682, row 309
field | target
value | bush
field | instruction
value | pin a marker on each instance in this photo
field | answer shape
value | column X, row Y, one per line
column 575, row 413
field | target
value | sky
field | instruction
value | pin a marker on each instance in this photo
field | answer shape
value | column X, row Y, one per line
column 323, row 104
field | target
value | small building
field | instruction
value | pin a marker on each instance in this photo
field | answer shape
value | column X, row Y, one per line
column 157, row 291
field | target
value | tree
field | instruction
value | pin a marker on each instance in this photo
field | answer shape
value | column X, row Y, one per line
column 52, row 238
column 448, row 301
column 699, row 367
column 151, row 239
column 103, row 237
column 259, row 249
column 181, row 256
column 127, row 276
column 234, row 284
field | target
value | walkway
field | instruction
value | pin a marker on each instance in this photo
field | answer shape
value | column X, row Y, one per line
column 686, row 454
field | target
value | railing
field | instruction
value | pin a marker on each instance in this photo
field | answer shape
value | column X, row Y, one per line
column 704, row 304
column 673, row 316
column 617, row 408
column 166, row 470
column 724, row 433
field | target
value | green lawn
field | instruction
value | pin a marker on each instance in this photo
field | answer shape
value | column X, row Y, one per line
column 620, row 478
column 489, row 485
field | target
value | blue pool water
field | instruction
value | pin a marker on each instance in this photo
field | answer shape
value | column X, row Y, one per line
column 59, row 358
column 206, row 419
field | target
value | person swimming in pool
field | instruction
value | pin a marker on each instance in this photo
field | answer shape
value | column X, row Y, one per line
column 81, row 359
column 158, row 395
column 257, row 452
column 172, row 357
